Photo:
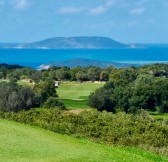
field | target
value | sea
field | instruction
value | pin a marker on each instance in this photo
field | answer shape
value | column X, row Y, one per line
column 36, row 57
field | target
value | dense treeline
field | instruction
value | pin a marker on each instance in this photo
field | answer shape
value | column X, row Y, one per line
column 81, row 74
column 127, row 89
column 132, row 89
column 139, row 130
column 145, row 92
column 57, row 73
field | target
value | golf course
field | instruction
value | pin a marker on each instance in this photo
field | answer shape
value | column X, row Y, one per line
column 75, row 94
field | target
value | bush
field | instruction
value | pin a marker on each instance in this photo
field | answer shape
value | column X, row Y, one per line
column 143, row 93
column 53, row 102
column 120, row 129
column 44, row 90
column 15, row 97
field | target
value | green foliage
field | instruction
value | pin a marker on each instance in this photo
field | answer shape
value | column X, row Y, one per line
column 36, row 76
column 23, row 143
column 104, row 75
column 101, row 98
column 94, row 73
column 14, row 97
column 44, row 90
column 144, row 92
column 134, row 88
column 53, row 102
column 81, row 76
column 2, row 75
column 63, row 74
column 138, row 130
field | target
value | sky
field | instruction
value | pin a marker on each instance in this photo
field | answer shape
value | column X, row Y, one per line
column 127, row 21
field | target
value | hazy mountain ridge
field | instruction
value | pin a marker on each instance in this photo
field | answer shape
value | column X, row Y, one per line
column 71, row 42
column 85, row 42
column 84, row 63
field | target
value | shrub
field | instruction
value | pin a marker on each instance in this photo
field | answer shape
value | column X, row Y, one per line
column 53, row 102
column 138, row 130
column 15, row 97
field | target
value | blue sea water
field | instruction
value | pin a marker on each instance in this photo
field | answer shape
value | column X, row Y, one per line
column 36, row 57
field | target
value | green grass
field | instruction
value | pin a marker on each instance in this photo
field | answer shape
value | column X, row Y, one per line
column 158, row 116
column 71, row 104
column 24, row 83
column 23, row 143
column 75, row 95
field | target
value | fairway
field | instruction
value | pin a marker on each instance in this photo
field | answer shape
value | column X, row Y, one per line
column 75, row 95
column 22, row 143
column 159, row 116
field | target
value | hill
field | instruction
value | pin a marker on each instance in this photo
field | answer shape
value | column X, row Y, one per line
column 25, row 143
column 85, row 63
column 78, row 42
column 70, row 43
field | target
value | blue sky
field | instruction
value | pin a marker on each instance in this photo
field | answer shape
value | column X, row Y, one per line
column 128, row 21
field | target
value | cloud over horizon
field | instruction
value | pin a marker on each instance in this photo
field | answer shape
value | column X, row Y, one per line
column 102, row 8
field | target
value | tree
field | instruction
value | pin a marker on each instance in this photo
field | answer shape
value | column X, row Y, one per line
column 44, row 90
column 36, row 76
column 81, row 76
column 102, row 98
column 94, row 73
column 104, row 76
column 15, row 97
column 63, row 74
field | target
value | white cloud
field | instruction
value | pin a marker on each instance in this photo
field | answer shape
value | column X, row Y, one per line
column 69, row 10
column 21, row 4
column 102, row 8
column 98, row 10
column 137, row 11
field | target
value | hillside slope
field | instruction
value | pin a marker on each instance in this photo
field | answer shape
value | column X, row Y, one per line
column 78, row 42
column 85, row 42
column 22, row 143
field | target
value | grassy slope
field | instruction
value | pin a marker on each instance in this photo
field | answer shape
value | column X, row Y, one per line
column 75, row 95
column 24, row 143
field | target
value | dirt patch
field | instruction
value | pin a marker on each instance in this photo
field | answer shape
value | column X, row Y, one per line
column 75, row 111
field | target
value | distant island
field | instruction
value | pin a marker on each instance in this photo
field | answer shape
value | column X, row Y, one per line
column 70, row 43
column 85, row 63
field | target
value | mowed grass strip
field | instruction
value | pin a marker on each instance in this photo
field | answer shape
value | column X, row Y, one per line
column 75, row 104
column 23, row 143
column 74, row 90
column 75, row 95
